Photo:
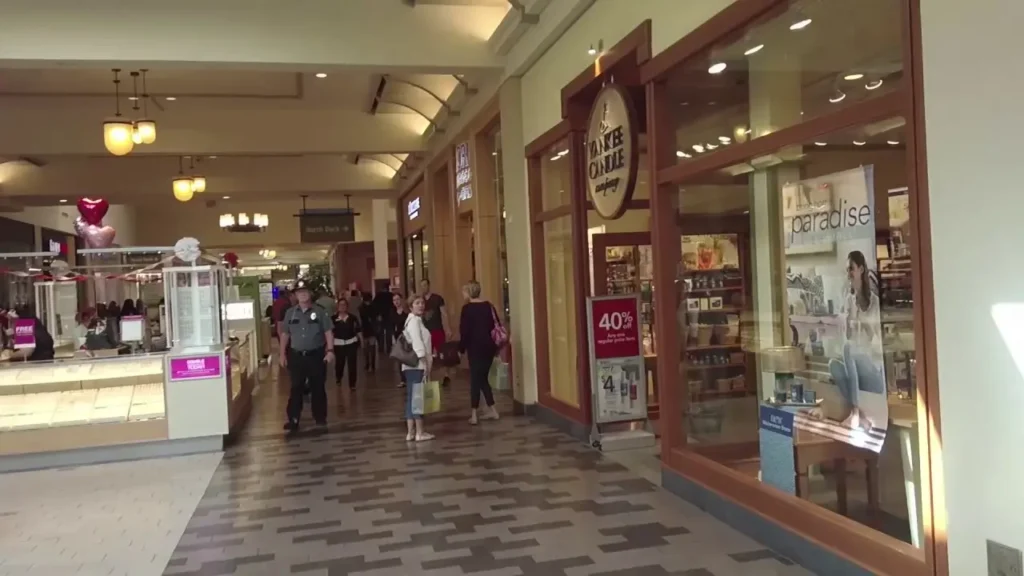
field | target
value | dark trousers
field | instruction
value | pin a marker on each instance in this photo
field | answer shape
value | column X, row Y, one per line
column 307, row 370
column 479, row 370
column 387, row 335
column 343, row 355
column 370, row 353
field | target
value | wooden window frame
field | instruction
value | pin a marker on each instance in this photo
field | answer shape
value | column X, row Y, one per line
column 845, row 538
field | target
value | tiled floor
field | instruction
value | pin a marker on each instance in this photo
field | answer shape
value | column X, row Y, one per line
column 501, row 499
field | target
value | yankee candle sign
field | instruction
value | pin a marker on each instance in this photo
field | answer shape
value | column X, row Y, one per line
column 611, row 152
column 195, row 367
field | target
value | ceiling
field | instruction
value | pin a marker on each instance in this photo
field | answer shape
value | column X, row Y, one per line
column 343, row 100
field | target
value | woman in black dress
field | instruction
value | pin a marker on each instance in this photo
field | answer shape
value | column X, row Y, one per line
column 346, row 344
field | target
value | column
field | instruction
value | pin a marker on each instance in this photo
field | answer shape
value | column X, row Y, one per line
column 485, row 219
column 382, row 209
column 517, row 234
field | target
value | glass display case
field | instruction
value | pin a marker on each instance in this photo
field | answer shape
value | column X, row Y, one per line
column 81, row 391
column 56, row 306
column 193, row 297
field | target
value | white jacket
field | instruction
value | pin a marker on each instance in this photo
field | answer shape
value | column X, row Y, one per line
column 419, row 337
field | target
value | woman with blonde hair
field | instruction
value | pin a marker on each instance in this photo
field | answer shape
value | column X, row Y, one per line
column 476, row 325
column 418, row 336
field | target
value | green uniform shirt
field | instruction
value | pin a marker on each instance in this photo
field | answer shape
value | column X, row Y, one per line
column 306, row 329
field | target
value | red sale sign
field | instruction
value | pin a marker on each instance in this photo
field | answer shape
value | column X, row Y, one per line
column 616, row 331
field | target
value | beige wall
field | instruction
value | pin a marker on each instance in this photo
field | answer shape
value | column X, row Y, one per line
column 164, row 223
column 62, row 218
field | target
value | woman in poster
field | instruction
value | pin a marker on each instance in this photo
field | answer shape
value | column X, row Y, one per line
column 861, row 369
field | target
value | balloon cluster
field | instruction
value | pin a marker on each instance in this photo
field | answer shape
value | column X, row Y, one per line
column 89, row 225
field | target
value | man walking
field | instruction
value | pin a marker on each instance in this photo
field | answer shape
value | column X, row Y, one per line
column 435, row 318
column 307, row 346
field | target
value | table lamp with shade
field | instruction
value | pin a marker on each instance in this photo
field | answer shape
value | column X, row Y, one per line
column 785, row 362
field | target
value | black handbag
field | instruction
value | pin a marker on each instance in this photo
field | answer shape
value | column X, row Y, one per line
column 404, row 353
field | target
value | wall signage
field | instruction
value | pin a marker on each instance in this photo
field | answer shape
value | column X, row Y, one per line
column 195, row 367
column 617, row 366
column 463, row 173
column 413, row 208
column 612, row 152
column 320, row 228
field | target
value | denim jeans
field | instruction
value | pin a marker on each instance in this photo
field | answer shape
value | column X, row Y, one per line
column 856, row 372
column 411, row 377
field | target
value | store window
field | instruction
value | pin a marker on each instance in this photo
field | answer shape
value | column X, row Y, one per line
column 796, row 291
column 559, row 257
column 811, row 58
column 499, row 189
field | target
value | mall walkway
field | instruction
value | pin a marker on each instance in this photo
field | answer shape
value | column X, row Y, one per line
column 505, row 498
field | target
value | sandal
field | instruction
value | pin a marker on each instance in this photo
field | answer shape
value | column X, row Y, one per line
column 424, row 437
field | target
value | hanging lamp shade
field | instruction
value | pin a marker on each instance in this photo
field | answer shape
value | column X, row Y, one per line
column 117, row 136
column 136, row 135
column 182, row 188
column 147, row 130
column 198, row 183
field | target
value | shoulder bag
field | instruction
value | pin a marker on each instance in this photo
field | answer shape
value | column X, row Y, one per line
column 498, row 333
column 403, row 352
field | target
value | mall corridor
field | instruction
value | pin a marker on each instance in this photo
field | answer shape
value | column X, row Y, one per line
column 504, row 498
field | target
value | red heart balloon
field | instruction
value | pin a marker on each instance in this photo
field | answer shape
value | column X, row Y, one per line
column 93, row 211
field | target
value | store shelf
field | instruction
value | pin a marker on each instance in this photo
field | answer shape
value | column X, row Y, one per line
column 714, row 348
column 719, row 395
column 706, row 367
column 718, row 289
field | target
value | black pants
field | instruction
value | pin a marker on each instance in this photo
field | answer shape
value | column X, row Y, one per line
column 307, row 371
column 343, row 355
column 479, row 369
column 387, row 335
column 370, row 353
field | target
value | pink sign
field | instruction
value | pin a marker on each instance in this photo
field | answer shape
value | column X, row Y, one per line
column 616, row 331
column 195, row 367
column 24, row 333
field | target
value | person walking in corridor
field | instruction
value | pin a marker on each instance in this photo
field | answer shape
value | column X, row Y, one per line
column 307, row 346
column 418, row 337
column 435, row 318
column 399, row 314
column 346, row 344
column 475, row 341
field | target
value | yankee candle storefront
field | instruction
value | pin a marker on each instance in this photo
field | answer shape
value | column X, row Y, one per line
column 757, row 187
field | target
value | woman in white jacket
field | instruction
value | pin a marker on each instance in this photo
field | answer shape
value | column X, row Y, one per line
column 419, row 338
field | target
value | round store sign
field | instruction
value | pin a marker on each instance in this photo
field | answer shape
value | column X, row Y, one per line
column 612, row 152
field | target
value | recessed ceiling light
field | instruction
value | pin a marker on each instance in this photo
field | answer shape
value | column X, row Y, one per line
column 748, row 131
column 213, row 157
column 63, row 200
column 226, row 198
column 724, row 139
column 837, row 97
column 321, row 75
column 133, row 98
column 592, row 51
column 681, row 154
column 171, row 98
column 717, row 68
column 874, row 85
column 859, row 142
column 821, row 143
column 494, row 153
column 854, row 76
column 684, row 103
column 555, row 157
column 754, row 50
column 800, row 25
column 698, row 148
column 893, row 142
column 711, row 146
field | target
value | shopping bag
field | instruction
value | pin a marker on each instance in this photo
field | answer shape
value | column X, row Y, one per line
column 417, row 400
column 499, row 378
column 431, row 397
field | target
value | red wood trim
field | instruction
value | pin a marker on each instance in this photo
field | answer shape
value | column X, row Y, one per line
column 639, row 204
column 580, row 265
column 933, row 492
column 545, row 141
column 859, row 544
column 637, row 44
column 540, row 283
column 886, row 106
column 714, row 31
column 563, row 409
column 553, row 213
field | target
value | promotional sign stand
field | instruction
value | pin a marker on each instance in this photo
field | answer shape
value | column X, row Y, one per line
column 618, row 373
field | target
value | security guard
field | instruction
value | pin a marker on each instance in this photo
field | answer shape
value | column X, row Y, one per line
column 307, row 346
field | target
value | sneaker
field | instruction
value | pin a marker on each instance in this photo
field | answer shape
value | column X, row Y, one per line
column 424, row 437
column 472, row 419
column 446, row 382
column 491, row 414
column 291, row 426
column 410, row 437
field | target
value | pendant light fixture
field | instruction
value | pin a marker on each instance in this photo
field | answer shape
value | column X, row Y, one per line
column 136, row 135
column 117, row 131
column 182, row 184
column 145, row 126
column 198, row 181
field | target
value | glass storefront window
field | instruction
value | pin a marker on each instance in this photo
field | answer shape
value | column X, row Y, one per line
column 810, row 59
column 561, row 306
column 795, row 292
column 555, row 177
